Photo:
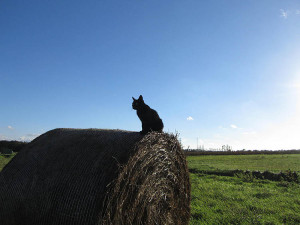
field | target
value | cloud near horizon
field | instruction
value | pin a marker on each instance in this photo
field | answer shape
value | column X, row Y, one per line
column 281, row 135
column 10, row 127
column 28, row 137
column 3, row 138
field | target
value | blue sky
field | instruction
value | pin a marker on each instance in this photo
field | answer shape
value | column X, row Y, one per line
column 225, row 72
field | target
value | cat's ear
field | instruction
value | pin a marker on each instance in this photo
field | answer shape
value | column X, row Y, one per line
column 133, row 99
column 141, row 98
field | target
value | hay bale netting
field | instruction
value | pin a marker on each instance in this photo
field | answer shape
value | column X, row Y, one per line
column 92, row 176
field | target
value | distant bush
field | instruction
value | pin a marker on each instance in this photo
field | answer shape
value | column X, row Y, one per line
column 6, row 151
column 15, row 146
column 245, row 176
column 249, row 176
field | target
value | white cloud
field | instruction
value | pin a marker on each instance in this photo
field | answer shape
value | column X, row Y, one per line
column 186, row 143
column 190, row 118
column 200, row 142
column 28, row 137
column 10, row 127
column 23, row 138
column 191, row 143
column 249, row 133
column 2, row 137
column 283, row 13
column 277, row 135
column 233, row 126
column 298, row 12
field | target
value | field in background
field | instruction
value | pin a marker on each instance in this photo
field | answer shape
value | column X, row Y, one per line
column 240, row 199
column 274, row 163
column 243, row 199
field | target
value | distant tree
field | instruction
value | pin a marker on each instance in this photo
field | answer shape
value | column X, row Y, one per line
column 15, row 146
column 226, row 148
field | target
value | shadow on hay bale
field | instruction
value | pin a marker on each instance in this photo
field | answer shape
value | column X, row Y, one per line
column 93, row 176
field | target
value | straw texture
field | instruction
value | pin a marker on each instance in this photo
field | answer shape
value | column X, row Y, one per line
column 95, row 176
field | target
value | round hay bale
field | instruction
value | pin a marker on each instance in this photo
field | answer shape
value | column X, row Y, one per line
column 93, row 176
column 153, row 187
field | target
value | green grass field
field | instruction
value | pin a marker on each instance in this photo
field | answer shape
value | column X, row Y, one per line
column 233, row 200
column 275, row 163
column 5, row 159
column 229, row 200
column 239, row 200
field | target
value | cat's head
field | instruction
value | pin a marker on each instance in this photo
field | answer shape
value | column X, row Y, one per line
column 138, row 103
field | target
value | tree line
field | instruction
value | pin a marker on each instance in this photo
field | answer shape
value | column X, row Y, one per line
column 195, row 152
column 15, row 146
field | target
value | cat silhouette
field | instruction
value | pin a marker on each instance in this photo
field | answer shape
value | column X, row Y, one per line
column 149, row 117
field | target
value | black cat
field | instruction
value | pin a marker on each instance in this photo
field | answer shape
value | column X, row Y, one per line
column 149, row 117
